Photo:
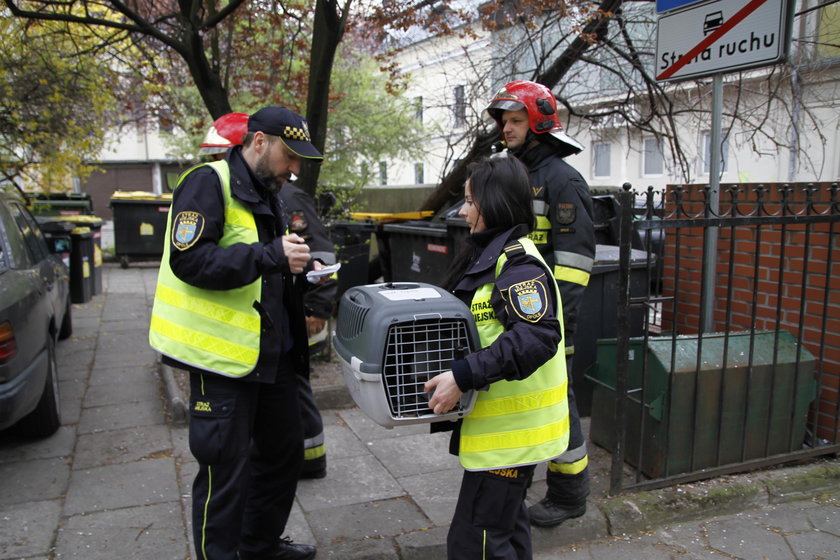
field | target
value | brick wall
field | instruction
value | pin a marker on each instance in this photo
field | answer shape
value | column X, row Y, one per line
column 777, row 277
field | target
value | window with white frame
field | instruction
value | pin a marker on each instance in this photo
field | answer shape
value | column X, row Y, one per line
column 418, row 108
column 707, row 153
column 383, row 173
column 418, row 173
column 601, row 159
column 652, row 161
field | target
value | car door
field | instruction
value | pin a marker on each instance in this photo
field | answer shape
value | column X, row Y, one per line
column 49, row 267
column 24, row 296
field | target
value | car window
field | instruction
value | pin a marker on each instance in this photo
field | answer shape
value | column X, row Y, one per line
column 4, row 262
column 27, row 230
column 35, row 240
column 16, row 255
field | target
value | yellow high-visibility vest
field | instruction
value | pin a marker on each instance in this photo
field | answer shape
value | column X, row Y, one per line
column 214, row 330
column 516, row 423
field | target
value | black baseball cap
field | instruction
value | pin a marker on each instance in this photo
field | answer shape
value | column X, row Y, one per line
column 289, row 126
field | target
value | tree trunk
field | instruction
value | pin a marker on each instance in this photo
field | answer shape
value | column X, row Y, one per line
column 208, row 82
column 328, row 30
column 451, row 187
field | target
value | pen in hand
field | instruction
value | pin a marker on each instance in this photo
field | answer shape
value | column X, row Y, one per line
column 297, row 252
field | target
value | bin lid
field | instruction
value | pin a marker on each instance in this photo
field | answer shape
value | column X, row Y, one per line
column 769, row 348
column 92, row 221
column 54, row 224
column 419, row 227
column 40, row 195
column 141, row 195
column 357, row 227
column 80, row 231
column 456, row 221
column 607, row 258
column 388, row 217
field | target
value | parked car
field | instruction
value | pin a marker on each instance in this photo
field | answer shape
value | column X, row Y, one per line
column 35, row 311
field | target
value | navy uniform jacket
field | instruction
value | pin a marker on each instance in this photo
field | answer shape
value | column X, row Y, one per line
column 207, row 265
column 525, row 345
column 304, row 221
column 572, row 239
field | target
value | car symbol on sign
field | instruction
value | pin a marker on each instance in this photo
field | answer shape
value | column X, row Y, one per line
column 712, row 21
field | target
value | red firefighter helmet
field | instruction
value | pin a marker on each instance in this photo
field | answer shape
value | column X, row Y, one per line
column 541, row 106
column 227, row 131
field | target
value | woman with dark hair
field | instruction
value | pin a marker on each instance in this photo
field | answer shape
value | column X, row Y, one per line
column 521, row 415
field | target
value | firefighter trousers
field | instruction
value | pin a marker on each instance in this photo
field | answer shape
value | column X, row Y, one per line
column 567, row 476
column 314, row 447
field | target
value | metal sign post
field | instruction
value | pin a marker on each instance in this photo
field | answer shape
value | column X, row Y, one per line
column 710, row 243
column 709, row 38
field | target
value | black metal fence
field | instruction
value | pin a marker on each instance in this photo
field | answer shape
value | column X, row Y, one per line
column 739, row 364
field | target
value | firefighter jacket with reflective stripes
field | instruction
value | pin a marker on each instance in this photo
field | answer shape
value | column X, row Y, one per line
column 226, row 302
column 521, row 414
column 565, row 232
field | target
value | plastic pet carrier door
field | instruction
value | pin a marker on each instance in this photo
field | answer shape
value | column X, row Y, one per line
column 392, row 338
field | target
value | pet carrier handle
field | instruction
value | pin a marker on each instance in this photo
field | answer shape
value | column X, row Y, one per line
column 355, row 367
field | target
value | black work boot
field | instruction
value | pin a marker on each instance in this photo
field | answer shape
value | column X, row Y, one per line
column 285, row 550
column 548, row 513
column 314, row 468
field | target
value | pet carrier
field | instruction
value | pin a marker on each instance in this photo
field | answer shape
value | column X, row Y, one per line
column 391, row 338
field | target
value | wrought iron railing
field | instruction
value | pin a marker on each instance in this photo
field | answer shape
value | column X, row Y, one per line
column 742, row 370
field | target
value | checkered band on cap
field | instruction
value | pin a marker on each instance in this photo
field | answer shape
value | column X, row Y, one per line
column 295, row 133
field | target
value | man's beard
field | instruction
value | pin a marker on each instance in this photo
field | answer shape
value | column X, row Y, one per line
column 271, row 181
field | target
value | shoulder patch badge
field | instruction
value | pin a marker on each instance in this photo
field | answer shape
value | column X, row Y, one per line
column 566, row 213
column 528, row 300
column 186, row 229
column 298, row 222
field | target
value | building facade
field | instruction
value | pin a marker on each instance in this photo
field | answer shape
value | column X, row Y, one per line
column 780, row 123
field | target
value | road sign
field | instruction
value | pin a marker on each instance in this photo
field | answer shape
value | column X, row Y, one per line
column 668, row 5
column 721, row 36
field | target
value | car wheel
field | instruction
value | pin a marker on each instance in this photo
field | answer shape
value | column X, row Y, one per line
column 46, row 418
column 67, row 323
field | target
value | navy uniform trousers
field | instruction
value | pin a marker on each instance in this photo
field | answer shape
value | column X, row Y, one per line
column 491, row 520
column 248, row 441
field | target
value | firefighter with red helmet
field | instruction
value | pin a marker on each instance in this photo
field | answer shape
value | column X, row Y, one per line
column 227, row 131
column 526, row 113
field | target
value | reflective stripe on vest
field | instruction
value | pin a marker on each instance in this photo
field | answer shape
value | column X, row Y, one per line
column 515, row 423
column 215, row 330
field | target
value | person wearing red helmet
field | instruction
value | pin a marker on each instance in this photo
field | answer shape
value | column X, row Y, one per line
column 526, row 113
column 227, row 131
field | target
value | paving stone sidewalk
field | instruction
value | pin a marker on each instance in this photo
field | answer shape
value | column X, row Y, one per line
column 114, row 482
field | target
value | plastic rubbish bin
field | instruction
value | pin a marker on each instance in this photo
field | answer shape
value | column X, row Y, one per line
column 352, row 247
column 458, row 232
column 95, row 225
column 420, row 251
column 81, row 263
column 61, row 204
column 597, row 316
column 139, row 224
column 57, row 234
column 702, row 411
